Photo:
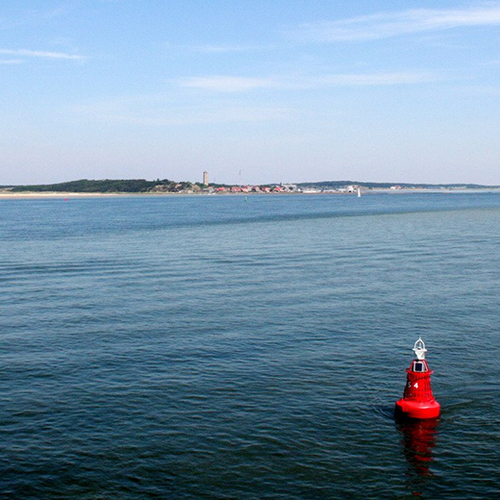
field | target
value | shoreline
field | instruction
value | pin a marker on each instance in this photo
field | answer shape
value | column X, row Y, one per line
column 6, row 195
column 53, row 194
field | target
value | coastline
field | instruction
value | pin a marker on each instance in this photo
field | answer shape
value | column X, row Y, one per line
column 32, row 194
column 7, row 195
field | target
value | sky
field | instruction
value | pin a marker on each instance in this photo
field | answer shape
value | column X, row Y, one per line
column 253, row 91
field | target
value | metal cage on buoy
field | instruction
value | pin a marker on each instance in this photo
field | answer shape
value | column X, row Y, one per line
column 418, row 401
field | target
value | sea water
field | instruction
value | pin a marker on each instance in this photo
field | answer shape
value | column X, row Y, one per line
column 223, row 347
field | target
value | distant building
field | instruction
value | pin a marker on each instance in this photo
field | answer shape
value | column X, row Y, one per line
column 205, row 178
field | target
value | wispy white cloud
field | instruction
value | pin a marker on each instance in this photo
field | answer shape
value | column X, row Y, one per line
column 223, row 83
column 41, row 54
column 231, row 84
column 11, row 61
column 219, row 49
column 378, row 79
column 390, row 24
column 154, row 111
column 212, row 48
column 493, row 62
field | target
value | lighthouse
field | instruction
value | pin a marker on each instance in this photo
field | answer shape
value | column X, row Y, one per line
column 418, row 401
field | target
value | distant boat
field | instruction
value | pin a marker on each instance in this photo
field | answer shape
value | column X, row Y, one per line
column 359, row 193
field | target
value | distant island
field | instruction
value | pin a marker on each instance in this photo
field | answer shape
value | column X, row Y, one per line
column 107, row 186
column 110, row 186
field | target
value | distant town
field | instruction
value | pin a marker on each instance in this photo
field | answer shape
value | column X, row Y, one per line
column 109, row 186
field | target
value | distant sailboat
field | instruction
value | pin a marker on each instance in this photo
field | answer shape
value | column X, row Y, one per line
column 359, row 193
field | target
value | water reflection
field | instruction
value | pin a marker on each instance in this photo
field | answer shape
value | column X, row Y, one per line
column 419, row 438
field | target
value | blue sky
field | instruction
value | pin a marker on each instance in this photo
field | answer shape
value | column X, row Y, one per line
column 251, row 90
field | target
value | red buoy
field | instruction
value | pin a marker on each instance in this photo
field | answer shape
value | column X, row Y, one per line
column 418, row 401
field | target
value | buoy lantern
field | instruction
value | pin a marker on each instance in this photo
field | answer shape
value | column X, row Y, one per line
column 418, row 401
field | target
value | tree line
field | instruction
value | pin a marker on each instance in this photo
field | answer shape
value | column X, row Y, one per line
column 108, row 186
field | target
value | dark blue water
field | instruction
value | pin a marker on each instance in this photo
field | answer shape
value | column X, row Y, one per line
column 231, row 348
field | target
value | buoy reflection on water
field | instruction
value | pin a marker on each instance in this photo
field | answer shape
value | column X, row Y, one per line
column 419, row 439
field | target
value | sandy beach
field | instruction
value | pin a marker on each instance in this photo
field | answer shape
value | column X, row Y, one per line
column 8, row 195
column 13, row 196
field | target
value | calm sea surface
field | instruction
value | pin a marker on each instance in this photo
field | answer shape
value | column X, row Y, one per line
column 218, row 347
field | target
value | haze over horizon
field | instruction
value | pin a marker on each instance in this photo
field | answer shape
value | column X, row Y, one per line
column 253, row 91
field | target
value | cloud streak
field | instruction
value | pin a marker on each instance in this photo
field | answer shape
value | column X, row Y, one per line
column 11, row 61
column 156, row 111
column 232, row 84
column 221, row 83
column 41, row 54
column 392, row 24
column 212, row 49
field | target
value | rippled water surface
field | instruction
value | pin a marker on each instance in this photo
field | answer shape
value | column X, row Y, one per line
column 247, row 348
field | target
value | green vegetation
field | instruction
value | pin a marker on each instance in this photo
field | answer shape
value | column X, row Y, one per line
column 109, row 186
